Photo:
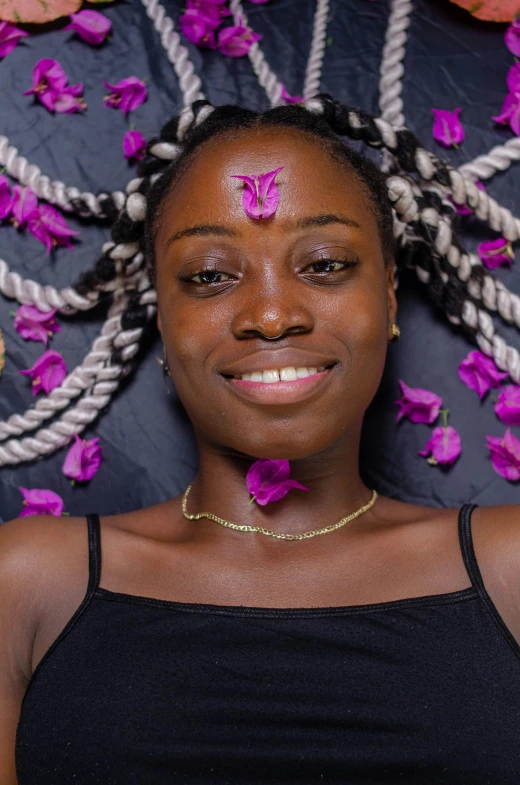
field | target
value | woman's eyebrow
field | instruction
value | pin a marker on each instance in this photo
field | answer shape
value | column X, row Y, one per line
column 323, row 220
column 201, row 231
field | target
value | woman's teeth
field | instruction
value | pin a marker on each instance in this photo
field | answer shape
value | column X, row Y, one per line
column 284, row 375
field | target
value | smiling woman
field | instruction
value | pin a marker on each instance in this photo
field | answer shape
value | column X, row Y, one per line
column 333, row 635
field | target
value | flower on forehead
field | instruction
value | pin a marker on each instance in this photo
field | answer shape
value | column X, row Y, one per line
column 127, row 94
column 50, row 227
column 507, row 407
column 505, row 455
column 47, row 372
column 512, row 38
column 83, row 459
column 494, row 253
column 261, row 197
column 461, row 208
column 417, row 404
column 39, row 501
column 291, row 99
column 447, row 128
column 25, row 203
column 134, row 145
column 34, row 325
column 268, row 481
column 237, row 40
column 6, row 198
column 479, row 372
column 444, row 444
column 91, row 26
column 9, row 37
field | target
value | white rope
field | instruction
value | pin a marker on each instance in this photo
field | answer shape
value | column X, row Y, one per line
column 53, row 191
column 266, row 78
column 391, row 70
column 498, row 159
column 176, row 52
column 317, row 51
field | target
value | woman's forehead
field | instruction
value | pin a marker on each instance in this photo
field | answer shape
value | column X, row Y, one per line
column 311, row 181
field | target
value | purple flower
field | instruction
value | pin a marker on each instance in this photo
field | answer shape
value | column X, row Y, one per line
column 199, row 28
column 258, row 2
column 496, row 252
column 444, row 445
column 447, row 128
column 461, row 208
column 505, row 455
column 33, row 325
column 48, row 372
column 134, row 145
column 418, row 405
column 6, row 198
column 83, row 459
column 48, row 80
column 50, row 227
column 511, row 107
column 70, row 99
column 289, row 99
column 269, row 481
column 261, row 197
column 38, row 501
column 512, row 38
column 127, row 94
column 9, row 37
column 479, row 372
column 25, row 204
column 92, row 26
column 237, row 40
column 507, row 407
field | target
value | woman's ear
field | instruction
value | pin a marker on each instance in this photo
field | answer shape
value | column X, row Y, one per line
column 392, row 300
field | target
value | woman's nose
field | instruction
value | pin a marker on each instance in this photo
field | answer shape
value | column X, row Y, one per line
column 273, row 314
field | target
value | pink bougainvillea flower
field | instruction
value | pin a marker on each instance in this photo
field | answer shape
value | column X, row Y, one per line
column 290, row 99
column 496, row 252
column 237, row 40
column 261, row 196
column 50, row 227
column 34, row 325
column 505, row 455
column 511, row 107
column 461, row 208
column 83, row 459
column 25, row 204
column 91, row 26
column 39, row 501
column 444, row 445
column 134, row 145
column 127, row 94
column 269, row 481
column 507, row 407
column 199, row 28
column 512, row 38
column 47, row 372
column 447, row 128
column 48, row 80
column 9, row 37
column 6, row 198
column 479, row 372
column 70, row 99
column 418, row 405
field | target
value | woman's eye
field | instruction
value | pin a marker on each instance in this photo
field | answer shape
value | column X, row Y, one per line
column 205, row 277
column 331, row 265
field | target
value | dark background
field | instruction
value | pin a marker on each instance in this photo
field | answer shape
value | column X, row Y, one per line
column 149, row 454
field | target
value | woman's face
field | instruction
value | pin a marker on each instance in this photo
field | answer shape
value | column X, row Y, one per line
column 313, row 272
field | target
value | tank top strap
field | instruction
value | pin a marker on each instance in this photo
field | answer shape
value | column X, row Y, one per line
column 94, row 552
column 466, row 546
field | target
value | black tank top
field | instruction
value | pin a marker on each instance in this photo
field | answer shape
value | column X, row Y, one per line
column 139, row 691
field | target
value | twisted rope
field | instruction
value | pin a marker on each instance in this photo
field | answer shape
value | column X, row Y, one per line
column 498, row 159
column 391, row 70
column 317, row 51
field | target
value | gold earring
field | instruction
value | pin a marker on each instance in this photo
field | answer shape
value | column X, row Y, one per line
column 396, row 332
column 165, row 368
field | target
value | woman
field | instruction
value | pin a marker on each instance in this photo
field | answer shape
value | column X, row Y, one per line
column 383, row 648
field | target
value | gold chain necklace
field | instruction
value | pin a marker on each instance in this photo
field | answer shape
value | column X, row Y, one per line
column 269, row 532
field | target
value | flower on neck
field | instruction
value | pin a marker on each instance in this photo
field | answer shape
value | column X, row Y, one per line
column 268, row 481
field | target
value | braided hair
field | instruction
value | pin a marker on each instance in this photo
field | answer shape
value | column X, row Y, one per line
column 413, row 201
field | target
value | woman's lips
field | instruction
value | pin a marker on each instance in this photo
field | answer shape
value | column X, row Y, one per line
column 281, row 392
